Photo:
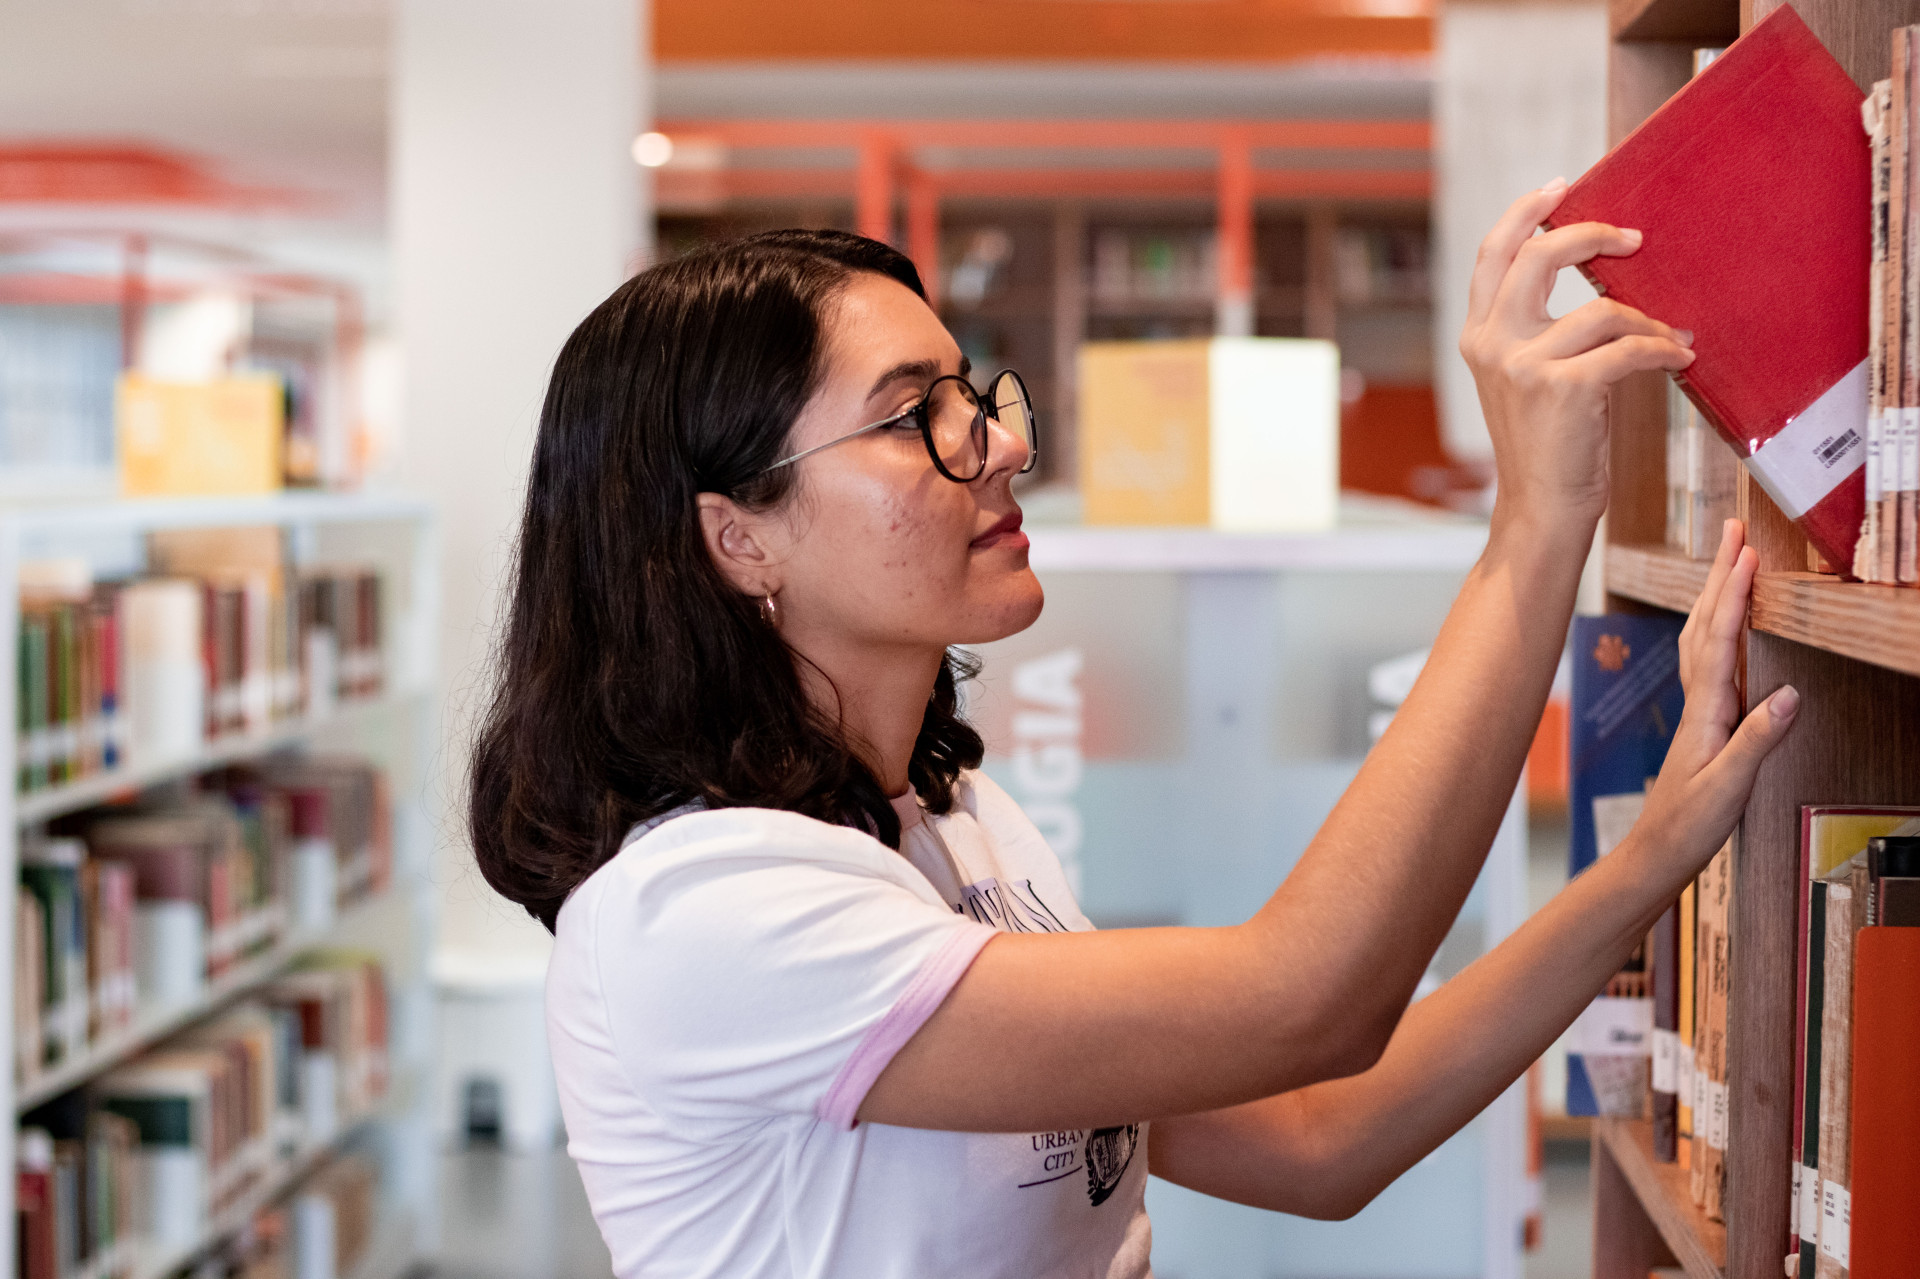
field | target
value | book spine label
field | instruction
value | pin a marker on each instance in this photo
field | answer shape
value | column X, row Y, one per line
column 1836, row 1222
column 1716, row 1115
column 1817, row 449
column 1666, row 1061
column 1808, row 1208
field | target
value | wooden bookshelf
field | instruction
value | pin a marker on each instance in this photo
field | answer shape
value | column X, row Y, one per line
column 1623, row 1161
column 1852, row 650
column 1876, row 624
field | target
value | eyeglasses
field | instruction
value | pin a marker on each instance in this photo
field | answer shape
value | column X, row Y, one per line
column 952, row 419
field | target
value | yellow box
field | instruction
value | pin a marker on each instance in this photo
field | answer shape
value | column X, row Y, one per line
column 180, row 439
column 1240, row 434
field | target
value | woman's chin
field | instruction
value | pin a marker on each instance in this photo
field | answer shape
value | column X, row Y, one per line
column 1015, row 607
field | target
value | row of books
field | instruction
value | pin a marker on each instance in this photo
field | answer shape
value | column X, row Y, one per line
column 139, row 906
column 147, row 1160
column 322, row 1231
column 1656, row 1045
column 1857, row 1042
column 1140, row 266
column 1889, row 545
column 225, row 639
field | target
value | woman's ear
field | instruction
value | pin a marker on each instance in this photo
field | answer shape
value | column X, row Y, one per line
column 737, row 541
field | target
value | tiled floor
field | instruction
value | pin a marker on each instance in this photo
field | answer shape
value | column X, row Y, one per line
column 508, row 1216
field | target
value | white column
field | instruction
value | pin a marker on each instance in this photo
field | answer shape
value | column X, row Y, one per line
column 1520, row 98
column 516, row 208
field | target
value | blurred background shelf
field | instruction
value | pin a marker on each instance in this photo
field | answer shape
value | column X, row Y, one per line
column 116, row 783
column 151, row 1025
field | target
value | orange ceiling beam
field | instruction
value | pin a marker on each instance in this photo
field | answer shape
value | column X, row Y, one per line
column 797, row 183
column 62, row 173
column 1035, row 30
column 1298, row 135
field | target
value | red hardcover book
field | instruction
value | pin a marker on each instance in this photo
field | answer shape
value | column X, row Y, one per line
column 1884, row 1239
column 1754, row 189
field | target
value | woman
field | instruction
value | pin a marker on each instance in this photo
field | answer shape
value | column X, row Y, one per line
column 821, row 1002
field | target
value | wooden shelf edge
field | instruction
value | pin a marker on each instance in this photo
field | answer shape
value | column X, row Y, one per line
column 1879, row 625
column 1876, row 624
column 1655, row 575
column 1698, row 1244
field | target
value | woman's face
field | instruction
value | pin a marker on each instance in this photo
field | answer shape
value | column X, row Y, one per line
column 875, row 546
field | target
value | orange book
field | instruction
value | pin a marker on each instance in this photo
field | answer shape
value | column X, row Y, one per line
column 1885, row 1236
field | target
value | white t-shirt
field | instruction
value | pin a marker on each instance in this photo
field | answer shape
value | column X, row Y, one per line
column 723, row 993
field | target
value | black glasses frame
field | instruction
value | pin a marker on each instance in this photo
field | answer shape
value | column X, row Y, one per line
column 920, row 416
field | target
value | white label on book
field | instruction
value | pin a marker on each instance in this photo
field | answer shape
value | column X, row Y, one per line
column 1666, row 1061
column 1836, row 1221
column 1908, row 479
column 1716, row 1115
column 1809, row 1207
column 1613, row 1028
column 1793, row 1213
column 1877, row 430
column 1683, row 1082
column 1816, row 449
column 1613, row 817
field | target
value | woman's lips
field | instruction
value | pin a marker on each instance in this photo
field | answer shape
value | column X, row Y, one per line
column 1005, row 532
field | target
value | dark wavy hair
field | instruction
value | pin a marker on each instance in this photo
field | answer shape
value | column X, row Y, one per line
column 631, row 677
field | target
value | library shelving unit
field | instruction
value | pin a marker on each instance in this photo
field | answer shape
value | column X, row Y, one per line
column 395, row 728
column 1852, row 650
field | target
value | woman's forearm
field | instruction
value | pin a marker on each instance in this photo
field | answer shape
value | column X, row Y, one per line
column 1389, row 870
column 1328, row 1149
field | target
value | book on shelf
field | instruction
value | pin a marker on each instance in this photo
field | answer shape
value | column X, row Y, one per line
column 76, row 1193
column 1683, row 1073
column 1830, row 835
column 1626, row 703
column 1751, row 185
column 140, row 906
column 322, row 1230
column 1889, row 549
column 1712, row 982
column 160, row 1149
column 1703, row 480
column 1884, row 1228
column 1863, row 868
column 226, row 638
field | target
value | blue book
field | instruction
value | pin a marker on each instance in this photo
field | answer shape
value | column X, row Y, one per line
column 1627, row 701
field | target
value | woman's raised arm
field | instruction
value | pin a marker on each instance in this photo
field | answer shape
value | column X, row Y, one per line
column 1072, row 1030
column 1328, row 1149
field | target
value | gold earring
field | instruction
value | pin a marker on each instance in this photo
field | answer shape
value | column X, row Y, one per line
column 769, row 611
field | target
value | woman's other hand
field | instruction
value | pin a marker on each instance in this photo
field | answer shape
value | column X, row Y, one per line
column 1716, row 751
column 1543, row 382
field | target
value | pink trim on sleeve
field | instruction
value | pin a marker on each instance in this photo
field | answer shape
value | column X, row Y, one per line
column 938, row 975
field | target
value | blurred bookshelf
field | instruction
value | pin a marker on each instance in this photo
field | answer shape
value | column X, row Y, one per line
column 339, row 962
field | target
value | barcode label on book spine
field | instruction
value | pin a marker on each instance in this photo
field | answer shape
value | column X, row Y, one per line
column 1877, row 431
column 1666, row 1054
column 1816, row 449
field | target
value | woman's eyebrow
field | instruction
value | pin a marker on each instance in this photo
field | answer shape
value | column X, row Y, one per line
column 916, row 370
